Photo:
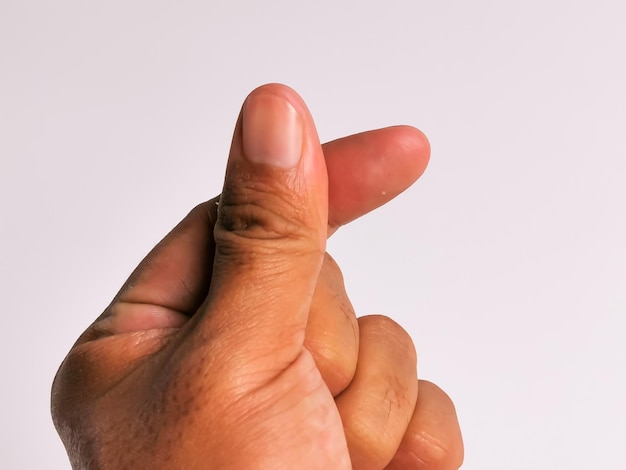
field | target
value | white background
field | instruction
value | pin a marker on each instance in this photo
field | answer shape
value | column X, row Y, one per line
column 506, row 262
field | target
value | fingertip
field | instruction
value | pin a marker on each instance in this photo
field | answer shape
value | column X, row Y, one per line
column 433, row 438
column 369, row 169
column 415, row 148
column 284, row 92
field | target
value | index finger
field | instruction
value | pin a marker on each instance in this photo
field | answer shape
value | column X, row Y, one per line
column 365, row 171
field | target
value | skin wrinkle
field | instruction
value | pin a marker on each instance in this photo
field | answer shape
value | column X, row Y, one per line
column 348, row 312
column 256, row 223
column 389, row 407
column 187, row 288
column 433, row 448
column 276, row 192
column 248, row 217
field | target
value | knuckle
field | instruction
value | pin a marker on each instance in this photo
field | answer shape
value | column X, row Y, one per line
column 262, row 215
column 331, row 269
column 392, row 332
column 442, row 396
column 78, row 374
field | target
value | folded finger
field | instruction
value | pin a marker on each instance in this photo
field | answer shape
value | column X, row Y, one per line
column 433, row 439
column 377, row 406
column 332, row 331
column 369, row 169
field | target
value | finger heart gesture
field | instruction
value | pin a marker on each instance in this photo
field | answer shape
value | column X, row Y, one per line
column 234, row 345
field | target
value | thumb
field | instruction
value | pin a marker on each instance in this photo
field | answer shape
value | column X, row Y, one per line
column 270, row 235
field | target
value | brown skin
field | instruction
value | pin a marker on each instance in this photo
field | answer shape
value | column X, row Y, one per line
column 234, row 345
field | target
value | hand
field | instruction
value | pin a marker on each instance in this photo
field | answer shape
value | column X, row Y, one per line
column 233, row 344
